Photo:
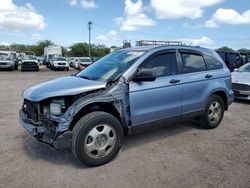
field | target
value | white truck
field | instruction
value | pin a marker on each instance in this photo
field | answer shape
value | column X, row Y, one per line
column 50, row 52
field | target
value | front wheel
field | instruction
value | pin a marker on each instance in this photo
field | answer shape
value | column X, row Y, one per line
column 97, row 138
column 214, row 112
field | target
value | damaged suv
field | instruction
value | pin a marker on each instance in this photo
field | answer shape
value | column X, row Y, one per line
column 125, row 92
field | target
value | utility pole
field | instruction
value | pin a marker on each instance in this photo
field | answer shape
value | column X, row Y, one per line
column 89, row 27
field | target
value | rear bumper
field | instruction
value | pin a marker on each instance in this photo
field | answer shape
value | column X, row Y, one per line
column 40, row 132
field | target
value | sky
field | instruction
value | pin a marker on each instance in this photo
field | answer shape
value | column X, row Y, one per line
column 208, row 23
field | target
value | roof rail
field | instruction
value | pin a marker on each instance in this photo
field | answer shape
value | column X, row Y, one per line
column 157, row 42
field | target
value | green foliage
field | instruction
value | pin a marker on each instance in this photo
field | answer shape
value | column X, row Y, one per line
column 225, row 48
column 82, row 49
column 244, row 50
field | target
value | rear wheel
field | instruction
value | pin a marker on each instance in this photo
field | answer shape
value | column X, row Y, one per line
column 97, row 138
column 213, row 113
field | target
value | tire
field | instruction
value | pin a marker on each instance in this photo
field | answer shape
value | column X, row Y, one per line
column 214, row 112
column 103, row 145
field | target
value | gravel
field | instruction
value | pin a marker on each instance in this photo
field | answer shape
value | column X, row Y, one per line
column 180, row 155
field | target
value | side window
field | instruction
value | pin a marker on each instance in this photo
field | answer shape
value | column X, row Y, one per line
column 162, row 65
column 192, row 63
column 212, row 63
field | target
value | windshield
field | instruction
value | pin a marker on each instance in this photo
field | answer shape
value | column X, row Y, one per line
column 244, row 68
column 60, row 59
column 111, row 67
column 29, row 57
column 4, row 57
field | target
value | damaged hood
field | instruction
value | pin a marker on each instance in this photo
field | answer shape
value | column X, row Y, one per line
column 65, row 86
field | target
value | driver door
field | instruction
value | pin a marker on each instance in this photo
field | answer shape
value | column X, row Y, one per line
column 154, row 101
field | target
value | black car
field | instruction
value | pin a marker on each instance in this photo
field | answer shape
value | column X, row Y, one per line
column 232, row 59
column 29, row 63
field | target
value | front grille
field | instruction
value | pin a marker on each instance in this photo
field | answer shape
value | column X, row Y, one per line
column 241, row 87
column 31, row 110
column 61, row 63
column 29, row 63
column 3, row 63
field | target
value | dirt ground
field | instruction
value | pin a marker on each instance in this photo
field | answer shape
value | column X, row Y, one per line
column 181, row 155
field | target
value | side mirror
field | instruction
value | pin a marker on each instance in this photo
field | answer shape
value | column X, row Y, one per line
column 144, row 76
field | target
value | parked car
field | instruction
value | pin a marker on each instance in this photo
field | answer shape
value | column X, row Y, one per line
column 126, row 92
column 7, row 61
column 241, row 82
column 232, row 59
column 84, row 62
column 40, row 59
column 29, row 63
column 59, row 63
column 245, row 57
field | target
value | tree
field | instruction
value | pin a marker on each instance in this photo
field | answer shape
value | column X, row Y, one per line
column 38, row 49
column 225, row 48
column 79, row 50
column 244, row 50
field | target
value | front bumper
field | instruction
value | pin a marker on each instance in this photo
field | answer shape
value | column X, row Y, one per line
column 32, row 127
column 243, row 95
column 5, row 66
column 30, row 67
column 42, row 133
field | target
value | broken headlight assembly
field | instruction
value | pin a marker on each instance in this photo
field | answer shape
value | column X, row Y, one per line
column 56, row 107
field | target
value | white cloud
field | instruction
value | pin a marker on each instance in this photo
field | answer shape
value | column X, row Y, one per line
column 203, row 41
column 73, row 2
column 4, row 44
column 111, row 35
column 134, row 17
column 18, row 18
column 88, row 4
column 192, row 26
column 173, row 9
column 228, row 16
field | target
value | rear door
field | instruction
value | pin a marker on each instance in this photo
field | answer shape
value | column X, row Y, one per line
column 159, row 99
column 195, row 79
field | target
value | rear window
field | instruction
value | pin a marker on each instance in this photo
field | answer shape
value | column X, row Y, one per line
column 212, row 63
column 192, row 63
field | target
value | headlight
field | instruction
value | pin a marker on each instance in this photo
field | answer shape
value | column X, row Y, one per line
column 57, row 106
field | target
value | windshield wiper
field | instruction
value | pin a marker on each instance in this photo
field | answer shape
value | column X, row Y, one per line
column 85, row 77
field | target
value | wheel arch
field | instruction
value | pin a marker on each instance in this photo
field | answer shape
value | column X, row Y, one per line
column 223, row 95
column 96, row 106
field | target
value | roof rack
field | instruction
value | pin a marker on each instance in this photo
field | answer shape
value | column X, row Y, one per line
column 157, row 42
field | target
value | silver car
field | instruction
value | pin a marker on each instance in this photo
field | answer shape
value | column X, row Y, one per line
column 241, row 82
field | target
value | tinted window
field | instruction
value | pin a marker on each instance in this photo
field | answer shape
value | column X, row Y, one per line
column 212, row 63
column 162, row 65
column 192, row 63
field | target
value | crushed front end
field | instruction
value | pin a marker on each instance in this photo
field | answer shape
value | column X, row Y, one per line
column 37, row 119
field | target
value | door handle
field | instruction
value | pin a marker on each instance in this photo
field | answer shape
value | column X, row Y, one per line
column 208, row 76
column 174, row 81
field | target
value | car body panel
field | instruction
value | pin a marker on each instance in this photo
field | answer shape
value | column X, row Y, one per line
column 241, row 85
column 150, row 101
column 56, row 87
